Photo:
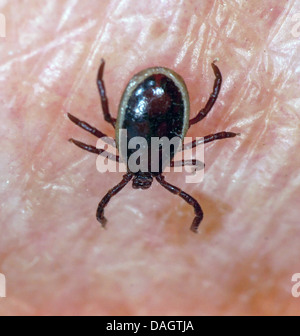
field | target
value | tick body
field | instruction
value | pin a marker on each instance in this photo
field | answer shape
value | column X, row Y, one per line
column 155, row 103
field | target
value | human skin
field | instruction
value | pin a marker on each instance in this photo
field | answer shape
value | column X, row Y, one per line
column 55, row 256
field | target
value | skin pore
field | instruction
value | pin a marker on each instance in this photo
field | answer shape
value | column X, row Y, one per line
column 55, row 256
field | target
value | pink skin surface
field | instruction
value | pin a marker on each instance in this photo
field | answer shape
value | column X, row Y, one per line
column 54, row 254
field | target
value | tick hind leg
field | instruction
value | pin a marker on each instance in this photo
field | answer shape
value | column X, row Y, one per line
column 213, row 96
column 195, row 163
column 84, row 125
column 93, row 149
column 102, row 92
column 98, row 134
column 100, row 211
column 189, row 199
column 92, row 130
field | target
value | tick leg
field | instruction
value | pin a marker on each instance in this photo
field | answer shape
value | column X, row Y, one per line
column 196, row 163
column 95, row 150
column 112, row 192
column 102, row 92
column 189, row 199
column 213, row 96
column 90, row 129
column 210, row 138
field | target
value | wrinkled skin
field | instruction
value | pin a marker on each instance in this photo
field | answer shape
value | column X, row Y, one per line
column 54, row 254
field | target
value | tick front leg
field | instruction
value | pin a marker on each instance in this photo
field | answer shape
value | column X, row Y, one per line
column 93, row 149
column 210, row 138
column 102, row 92
column 213, row 97
column 189, row 199
column 100, row 211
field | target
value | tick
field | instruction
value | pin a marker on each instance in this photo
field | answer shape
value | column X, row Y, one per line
column 155, row 103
